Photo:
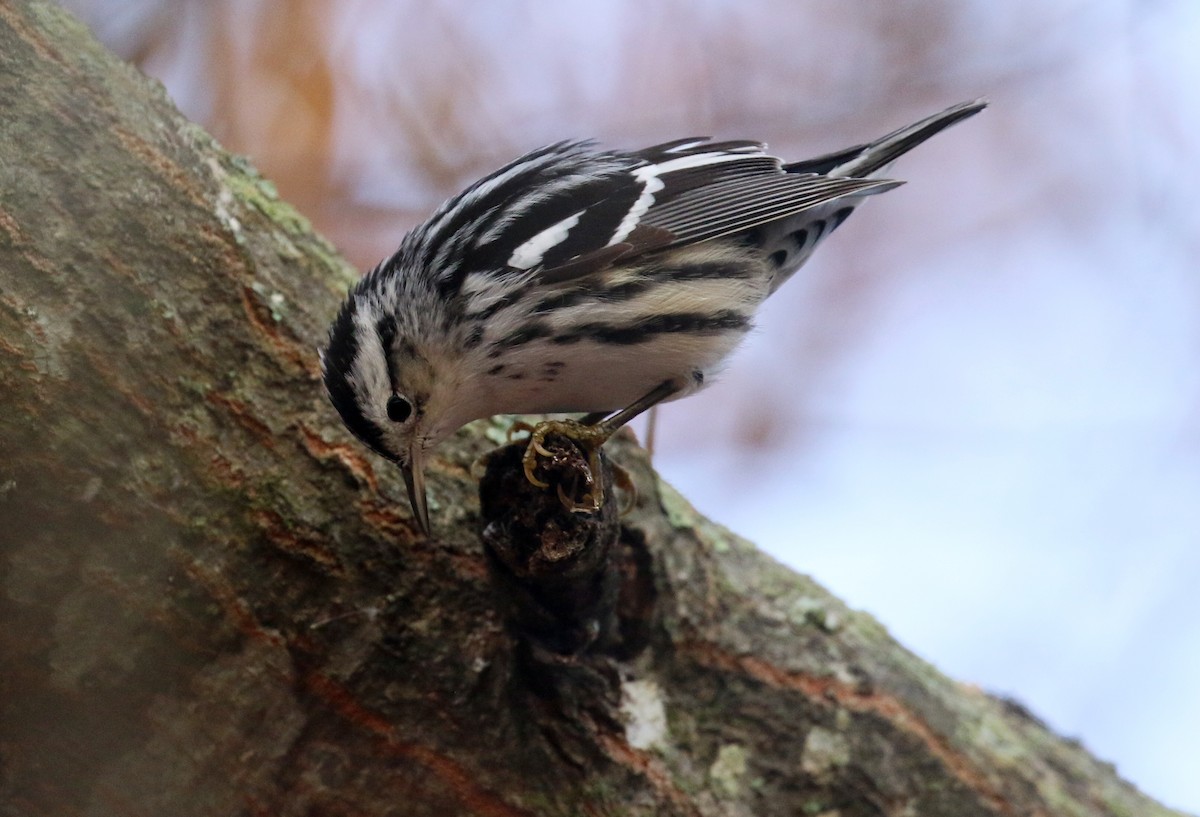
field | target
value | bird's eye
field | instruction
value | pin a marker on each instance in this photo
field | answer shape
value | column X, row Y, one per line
column 398, row 408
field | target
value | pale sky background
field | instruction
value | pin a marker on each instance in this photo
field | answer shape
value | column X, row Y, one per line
column 976, row 413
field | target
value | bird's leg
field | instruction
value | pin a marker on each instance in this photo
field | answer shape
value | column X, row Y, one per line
column 651, row 428
column 591, row 432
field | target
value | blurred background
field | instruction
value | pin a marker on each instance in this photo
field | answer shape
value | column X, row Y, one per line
column 975, row 414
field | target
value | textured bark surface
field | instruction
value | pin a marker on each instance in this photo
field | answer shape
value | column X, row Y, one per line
column 214, row 601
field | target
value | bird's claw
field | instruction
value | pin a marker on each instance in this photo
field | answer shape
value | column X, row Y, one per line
column 590, row 504
column 570, row 429
column 519, row 427
column 529, row 473
column 588, row 437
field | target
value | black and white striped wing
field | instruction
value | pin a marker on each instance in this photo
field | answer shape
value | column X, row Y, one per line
column 681, row 193
column 569, row 210
column 699, row 191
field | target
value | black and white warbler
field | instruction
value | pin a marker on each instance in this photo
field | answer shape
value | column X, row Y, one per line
column 581, row 280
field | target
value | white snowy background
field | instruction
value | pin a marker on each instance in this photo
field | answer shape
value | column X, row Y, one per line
column 976, row 413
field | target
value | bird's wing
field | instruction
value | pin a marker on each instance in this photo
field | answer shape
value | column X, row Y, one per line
column 568, row 210
column 675, row 194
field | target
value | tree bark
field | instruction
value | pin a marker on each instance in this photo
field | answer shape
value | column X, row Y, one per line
column 215, row 602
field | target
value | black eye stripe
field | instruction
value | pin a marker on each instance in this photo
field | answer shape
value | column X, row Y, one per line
column 386, row 327
column 398, row 409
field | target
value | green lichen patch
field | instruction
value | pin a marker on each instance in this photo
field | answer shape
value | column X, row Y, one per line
column 728, row 771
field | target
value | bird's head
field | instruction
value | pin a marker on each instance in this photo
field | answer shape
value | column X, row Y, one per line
column 386, row 388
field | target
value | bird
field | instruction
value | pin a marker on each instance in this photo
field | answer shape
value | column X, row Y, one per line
column 586, row 281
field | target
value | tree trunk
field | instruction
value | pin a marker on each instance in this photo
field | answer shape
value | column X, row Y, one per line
column 214, row 601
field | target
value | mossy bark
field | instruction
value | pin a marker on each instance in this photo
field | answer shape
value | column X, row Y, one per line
column 214, row 601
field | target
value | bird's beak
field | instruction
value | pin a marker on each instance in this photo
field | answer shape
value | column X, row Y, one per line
column 414, row 478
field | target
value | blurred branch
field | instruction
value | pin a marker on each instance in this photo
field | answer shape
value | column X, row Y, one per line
column 213, row 606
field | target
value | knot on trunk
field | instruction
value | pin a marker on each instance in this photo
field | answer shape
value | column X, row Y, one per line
column 557, row 565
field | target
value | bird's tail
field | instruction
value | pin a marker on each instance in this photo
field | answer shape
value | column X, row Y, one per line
column 864, row 160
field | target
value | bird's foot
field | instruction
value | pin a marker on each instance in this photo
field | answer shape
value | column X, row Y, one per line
column 588, row 438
